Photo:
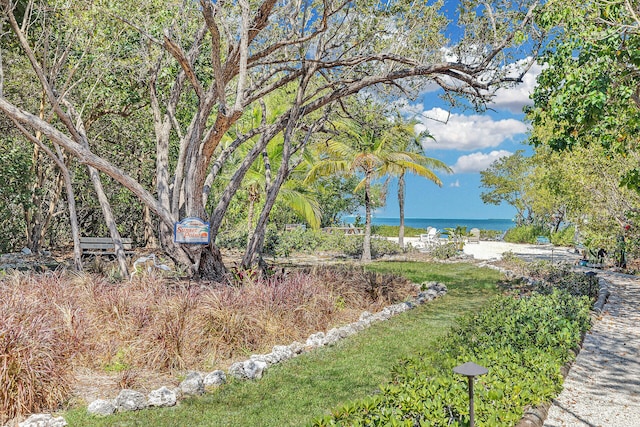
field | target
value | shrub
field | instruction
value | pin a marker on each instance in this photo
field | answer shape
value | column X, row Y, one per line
column 523, row 342
column 394, row 230
column 379, row 247
column 357, row 282
column 490, row 234
column 234, row 239
column 39, row 335
column 445, row 251
column 563, row 237
column 524, row 234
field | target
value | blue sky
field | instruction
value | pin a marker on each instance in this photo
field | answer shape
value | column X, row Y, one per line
column 468, row 142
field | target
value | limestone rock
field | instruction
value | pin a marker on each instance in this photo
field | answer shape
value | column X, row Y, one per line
column 215, row 378
column 43, row 420
column 248, row 370
column 316, row 340
column 162, row 397
column 193, row 384
column 130, row 400
column 365, row 315
column 296, row 348
column 101, row 407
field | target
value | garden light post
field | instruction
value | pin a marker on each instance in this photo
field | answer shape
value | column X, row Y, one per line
column 470, row 370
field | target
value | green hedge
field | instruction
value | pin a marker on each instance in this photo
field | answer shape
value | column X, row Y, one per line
column 525, row 234
column 523, row 342
column 529, row 233
column 309, row 241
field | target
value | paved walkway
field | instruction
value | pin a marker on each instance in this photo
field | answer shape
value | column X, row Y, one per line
column 603, row 386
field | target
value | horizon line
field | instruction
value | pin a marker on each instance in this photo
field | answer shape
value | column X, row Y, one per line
column 419, row 217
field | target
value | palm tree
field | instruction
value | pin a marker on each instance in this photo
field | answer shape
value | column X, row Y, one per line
column 409, row 157
column 258, row 179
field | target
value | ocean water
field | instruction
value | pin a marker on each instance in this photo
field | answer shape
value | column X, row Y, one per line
column 442, row 223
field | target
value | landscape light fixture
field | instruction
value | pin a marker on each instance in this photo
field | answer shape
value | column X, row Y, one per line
column 470, row 370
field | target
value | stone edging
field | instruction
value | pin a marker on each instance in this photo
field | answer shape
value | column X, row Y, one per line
column 196, row 383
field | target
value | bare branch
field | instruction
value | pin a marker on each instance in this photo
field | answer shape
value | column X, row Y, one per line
column 185, row 64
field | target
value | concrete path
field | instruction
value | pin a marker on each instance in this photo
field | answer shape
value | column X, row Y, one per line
column 603, row 386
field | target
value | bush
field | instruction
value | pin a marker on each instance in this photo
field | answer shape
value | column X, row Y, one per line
column 490, row 234
column 309, row 241
column 379, row 247
column 525, row 234
column 563, row 237
column 39, row 335
column 235, row 239
column 445, row 251
column 523, row 342
column 547, row 277
column 394, row 230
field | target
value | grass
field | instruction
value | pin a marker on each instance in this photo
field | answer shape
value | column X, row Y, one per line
column 309, row 386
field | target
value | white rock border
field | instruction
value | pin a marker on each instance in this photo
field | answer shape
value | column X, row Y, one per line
column 196, row 383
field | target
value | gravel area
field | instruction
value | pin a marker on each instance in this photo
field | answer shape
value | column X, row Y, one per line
column 603, row 386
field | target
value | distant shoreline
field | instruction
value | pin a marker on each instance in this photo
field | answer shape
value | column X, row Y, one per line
column 501, row 224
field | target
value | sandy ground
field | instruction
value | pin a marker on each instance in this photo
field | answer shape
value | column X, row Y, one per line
column 603, row 386
column 493, row 250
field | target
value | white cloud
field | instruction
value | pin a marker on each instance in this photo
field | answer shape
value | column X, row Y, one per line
column 455, row 184
column 466, row 133
column 515, row 98
column 476, row 162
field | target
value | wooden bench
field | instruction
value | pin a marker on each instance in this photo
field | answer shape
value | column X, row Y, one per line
column 344, row 230
column 103, row 245
column 292, row 227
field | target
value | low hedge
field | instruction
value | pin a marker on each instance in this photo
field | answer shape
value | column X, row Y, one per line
column 522, row 341
column 309, row 241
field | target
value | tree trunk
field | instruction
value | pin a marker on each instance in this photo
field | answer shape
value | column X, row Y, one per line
column 73, row 217
column 71, row 202
column 211, row 264
column 366, row 244
column 250, row 219
column 105, row 206
column 401, row 207
column 150, row 239
column 254, row 248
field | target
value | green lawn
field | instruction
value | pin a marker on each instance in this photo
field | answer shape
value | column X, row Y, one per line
column 311, row 385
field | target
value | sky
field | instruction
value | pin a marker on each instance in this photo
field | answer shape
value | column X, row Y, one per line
column 468, row 142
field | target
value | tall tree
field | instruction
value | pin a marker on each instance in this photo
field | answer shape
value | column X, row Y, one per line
column 368, row 145
column 589, row 91
column 410, row 158
column 508, row 180
column 206, row 63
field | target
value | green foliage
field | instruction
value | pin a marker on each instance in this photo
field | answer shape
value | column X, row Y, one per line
column 548, row 277
column 507, row 180
column 379, row 247
column 587, row 92
column 490, row 234
column 15, row 194
column 310, row 241
column 525, row 234
column 564, row 237
column 393, row 230
column 445, row 251
column 529, row 234
column 292, row 393
column 523, row 342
